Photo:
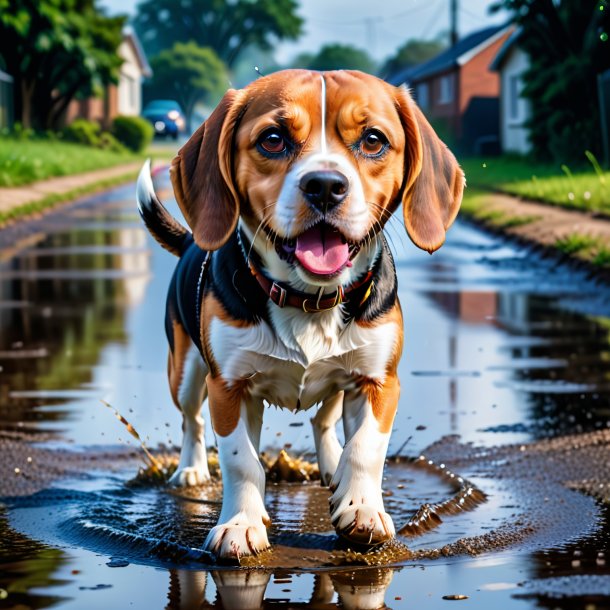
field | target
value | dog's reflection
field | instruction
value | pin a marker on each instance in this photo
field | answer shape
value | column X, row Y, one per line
column 361, row 589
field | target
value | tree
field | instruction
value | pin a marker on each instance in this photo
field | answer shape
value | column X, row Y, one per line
column 56, row 50
column 338, row 57
column 412, row 53
column 567, row 43
column 227, row 26
column 187, row 73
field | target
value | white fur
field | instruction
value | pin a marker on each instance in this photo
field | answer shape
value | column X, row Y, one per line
column 357, row 509
column 323, row 144
column 328, row 448
column 241, row 528
column 353, row 217
column 193, row 465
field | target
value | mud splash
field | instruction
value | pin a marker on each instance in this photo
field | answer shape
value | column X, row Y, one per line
column 534, row 501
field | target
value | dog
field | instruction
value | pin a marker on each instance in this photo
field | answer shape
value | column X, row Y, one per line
column 285, row 289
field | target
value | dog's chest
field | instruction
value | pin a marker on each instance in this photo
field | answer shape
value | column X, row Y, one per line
column 299, row 359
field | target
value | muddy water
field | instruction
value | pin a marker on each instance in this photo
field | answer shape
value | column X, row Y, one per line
column 505, row 382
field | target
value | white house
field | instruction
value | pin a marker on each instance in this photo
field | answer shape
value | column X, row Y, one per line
column 511, row 62
column 135, row 67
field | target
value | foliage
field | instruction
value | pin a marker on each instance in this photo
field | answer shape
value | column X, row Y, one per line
column 56, row 50
column 187, row 73
column 134, row 132
column 412, row 53
column 26, row 161
column 339, row 57
column 227, row 26
column 568, row 46
column 84, row 132
column 585, row 188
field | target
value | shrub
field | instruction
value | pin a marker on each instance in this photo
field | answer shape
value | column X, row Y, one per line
column 134, row 132
column 109, row 142
column 83, row 131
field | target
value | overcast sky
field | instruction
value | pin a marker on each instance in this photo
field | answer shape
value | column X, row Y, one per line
column 363, row 23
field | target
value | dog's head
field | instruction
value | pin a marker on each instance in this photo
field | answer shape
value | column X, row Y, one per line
column 317, row 162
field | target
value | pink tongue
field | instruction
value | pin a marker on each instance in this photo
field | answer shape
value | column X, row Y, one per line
column 321, row 250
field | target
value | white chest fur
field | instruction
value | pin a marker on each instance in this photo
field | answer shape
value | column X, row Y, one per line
column 301, row 358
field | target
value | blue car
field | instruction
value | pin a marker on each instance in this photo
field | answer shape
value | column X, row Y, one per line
column 166, row 117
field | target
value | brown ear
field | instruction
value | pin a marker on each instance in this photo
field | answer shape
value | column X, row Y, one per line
column 434, row 182
column 202, row 175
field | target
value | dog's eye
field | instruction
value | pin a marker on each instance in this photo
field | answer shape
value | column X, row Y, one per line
column 272, row 141
column 373, row 143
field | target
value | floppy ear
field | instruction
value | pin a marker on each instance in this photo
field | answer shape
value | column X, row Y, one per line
column 434, row 182
column 202, row 175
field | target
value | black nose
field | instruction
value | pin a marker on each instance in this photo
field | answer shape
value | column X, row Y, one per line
column 324, row 189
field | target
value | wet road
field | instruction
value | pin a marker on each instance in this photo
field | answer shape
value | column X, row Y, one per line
column 502, row 348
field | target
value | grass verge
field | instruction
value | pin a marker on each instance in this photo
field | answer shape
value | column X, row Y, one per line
column 475, row 205
column 41, row 205
column 26, row 161
column 595, row 251
column 587, row 190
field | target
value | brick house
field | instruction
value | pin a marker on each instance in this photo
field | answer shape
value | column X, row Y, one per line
column 459, row 93
column 124, row 98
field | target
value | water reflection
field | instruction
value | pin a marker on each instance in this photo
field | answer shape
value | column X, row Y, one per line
column 358, row 589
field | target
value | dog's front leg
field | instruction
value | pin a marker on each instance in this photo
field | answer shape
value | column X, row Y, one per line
column 237, row 420
column 357, row 510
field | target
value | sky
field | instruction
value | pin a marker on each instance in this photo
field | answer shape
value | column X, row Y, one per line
column 360, row 23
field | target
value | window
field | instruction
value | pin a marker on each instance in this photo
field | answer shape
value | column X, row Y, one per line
column 421, row 93
column 514, row 90
column 445, row 89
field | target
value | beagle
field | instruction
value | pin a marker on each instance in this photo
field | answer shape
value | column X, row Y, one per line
column 285, row 291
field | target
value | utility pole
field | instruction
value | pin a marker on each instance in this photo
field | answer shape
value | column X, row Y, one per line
column 453, row 27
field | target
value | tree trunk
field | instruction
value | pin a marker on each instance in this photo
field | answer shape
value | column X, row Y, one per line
column 27, row 93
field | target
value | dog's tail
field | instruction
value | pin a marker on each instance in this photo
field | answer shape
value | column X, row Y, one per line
column 161, row 224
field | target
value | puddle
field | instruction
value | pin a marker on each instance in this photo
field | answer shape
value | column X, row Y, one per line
column 506, row 350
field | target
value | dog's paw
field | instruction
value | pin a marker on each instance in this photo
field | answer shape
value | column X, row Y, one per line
column 236, row 541
column 364, row 524
column 189, row 477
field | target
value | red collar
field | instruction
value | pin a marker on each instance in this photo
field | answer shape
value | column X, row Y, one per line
column 285, row 296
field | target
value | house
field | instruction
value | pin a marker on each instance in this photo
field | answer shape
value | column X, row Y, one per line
column 458, row 92
column 6, row 100
column 125, row 98
column 510, row 63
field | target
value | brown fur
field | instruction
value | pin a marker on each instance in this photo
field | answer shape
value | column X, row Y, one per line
column 225, row 404
column 175, row 360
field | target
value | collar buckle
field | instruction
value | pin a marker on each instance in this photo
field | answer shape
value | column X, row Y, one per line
column 319, row 307
column 277, row 294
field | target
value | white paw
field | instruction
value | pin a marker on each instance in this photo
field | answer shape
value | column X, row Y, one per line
column 364, row 524
column 189, row 477
column 234, row 541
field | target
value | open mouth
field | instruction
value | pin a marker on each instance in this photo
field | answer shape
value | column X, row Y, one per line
column 321, row 250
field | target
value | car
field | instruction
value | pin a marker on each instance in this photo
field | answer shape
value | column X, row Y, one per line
column 166, row 117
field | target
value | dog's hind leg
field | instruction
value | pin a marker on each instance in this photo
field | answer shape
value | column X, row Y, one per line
column 187, row 372
column 328, row 447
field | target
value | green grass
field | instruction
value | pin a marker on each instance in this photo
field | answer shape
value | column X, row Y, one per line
column 585, row 189
column 26, row 161
column 575, row 243
column 475, row 204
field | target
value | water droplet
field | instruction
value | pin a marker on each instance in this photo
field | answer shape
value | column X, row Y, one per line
column 603, row 36
column 484, row 164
